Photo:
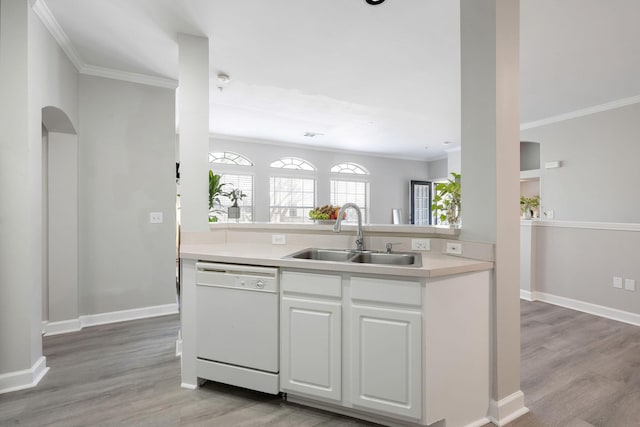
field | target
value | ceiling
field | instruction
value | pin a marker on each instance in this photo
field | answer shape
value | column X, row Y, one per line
column 378, row 79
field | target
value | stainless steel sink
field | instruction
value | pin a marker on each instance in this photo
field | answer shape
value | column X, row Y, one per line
column 408, row 259
column 324, row 254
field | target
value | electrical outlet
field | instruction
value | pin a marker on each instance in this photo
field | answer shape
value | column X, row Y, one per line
column 454, row 248
column 549, row 214
column 279, row 239
column 617, row 282
column 630, row 284
column 420, row 244
column 155, row 217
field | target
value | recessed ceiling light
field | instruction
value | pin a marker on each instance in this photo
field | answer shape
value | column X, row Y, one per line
column 446, row 142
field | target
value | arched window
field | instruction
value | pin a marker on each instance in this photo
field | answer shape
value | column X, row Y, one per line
column 293, row 163
column 351, row 189
column 229, row 158
column 292, row 197
column 351, row 168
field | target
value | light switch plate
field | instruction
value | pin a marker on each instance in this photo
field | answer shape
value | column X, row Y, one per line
column 155, row 217
column 454, row 248
column 420, row 244
column 279, row 239
column 617, row 282
column 630, row 284
column 549, row 214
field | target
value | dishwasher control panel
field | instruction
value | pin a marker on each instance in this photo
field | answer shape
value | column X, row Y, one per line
column 237, row 276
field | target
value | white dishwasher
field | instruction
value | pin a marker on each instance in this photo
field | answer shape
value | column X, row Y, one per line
column 237, row 325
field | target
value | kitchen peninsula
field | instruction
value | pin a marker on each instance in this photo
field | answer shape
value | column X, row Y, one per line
column 394, row 344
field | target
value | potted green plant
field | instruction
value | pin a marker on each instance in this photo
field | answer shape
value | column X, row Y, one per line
column 235, row 195
column 447, row 200
column 216, row 190
column 528, row 204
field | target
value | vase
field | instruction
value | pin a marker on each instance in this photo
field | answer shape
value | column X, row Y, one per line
column 234, row 212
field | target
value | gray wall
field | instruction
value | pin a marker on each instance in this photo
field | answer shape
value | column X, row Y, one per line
column 529, row 155
column 35, row 73
column 580, row 264
column 62, row 184
column 599, row 177
column 389, row 179
column 438, row 169
column 127, row 166
column 598, row 182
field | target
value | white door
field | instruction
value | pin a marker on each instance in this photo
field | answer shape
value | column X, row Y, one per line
column 310, row 360
column 386, row 361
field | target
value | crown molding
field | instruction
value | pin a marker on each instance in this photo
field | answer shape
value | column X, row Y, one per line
column 145, row 79
column 251, row 140
column 580, row 113
column 43, row 12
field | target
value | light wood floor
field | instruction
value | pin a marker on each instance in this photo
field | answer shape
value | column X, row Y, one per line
column 578, row 370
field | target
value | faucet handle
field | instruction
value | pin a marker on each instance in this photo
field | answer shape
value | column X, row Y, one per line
column 389, row 246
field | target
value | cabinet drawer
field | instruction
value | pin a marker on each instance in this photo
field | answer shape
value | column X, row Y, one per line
column 323, row 285
column 389, row 291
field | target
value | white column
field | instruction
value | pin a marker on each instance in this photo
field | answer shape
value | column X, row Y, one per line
column 193, row 118
column 490, row 176
column 21, row 361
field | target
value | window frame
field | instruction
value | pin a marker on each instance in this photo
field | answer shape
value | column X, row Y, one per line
column 301, row 174
column 253, row 191
column 349, row 177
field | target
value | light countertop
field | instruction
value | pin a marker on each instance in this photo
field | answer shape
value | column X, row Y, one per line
column 433, row 264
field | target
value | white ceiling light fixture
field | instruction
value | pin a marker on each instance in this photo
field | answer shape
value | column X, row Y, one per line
column 223, row 79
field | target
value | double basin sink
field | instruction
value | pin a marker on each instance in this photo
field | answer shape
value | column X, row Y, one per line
column 406, row 259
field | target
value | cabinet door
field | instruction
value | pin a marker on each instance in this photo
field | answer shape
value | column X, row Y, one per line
column 310, row 361
column 386, row 362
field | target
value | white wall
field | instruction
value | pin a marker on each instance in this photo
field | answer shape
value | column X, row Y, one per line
column 599, row 177
column 389, row 178
column 530, row 188
column 127, row 169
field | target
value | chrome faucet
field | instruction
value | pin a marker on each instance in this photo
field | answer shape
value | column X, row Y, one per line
column 338, row 224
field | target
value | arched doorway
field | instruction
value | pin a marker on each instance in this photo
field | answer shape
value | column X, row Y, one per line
column 59, row 222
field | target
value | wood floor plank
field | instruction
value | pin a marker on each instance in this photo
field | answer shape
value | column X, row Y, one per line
column 578, row 370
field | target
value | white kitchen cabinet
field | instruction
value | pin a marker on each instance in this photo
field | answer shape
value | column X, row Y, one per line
column 386, row 362
column 311, row 338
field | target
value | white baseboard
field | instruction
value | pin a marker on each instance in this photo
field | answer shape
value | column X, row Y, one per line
column 124, row 315
column 586, row 307
column 189, row 386
column 479, row 423
column 526, row 295
column 507, row 409
column 62, row 327
column 74, row 325
column 27, row 378
column 178, row 348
